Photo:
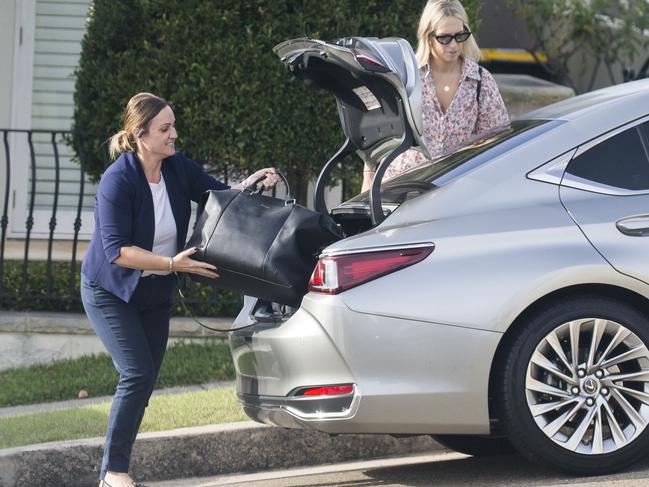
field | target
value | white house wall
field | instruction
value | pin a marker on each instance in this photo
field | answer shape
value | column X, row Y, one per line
column 7, row 23
column 57, row 27
column 60, row 26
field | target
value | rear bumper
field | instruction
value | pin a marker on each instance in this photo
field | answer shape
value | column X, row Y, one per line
column 299, row 412
column 410, row 377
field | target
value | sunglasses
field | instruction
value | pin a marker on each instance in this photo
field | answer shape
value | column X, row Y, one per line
column 459, row 37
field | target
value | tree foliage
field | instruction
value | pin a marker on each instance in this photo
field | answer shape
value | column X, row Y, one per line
column 607, row 31
column 236, row 108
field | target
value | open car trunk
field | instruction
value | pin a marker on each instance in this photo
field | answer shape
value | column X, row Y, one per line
column 378, row 92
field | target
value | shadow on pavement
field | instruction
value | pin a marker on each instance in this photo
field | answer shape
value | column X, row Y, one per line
column 510, row 470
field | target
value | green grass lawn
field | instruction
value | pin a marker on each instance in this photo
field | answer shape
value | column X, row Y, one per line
column 164, row 412
column 184, row 364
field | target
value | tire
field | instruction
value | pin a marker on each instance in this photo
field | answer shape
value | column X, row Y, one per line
column 477, row 446
column 587, row 418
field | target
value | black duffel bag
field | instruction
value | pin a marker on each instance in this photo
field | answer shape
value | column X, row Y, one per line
column 262, row 246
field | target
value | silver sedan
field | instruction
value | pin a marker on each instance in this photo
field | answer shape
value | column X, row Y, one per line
column 503, row 301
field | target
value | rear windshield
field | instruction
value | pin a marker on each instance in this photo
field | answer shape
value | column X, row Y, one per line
column 449, row 166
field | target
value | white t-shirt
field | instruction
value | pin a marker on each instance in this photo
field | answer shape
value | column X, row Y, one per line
column 164, row 239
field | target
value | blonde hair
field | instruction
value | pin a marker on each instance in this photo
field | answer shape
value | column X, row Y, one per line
column 139, row 112
column 434, row 12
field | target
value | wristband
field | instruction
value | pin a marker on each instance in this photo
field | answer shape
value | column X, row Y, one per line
column 171, row 264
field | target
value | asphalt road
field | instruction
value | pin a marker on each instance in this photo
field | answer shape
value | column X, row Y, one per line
column 442, row 469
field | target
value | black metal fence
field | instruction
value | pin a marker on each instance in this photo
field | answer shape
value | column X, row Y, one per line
column 40, row 280
column 15, row 276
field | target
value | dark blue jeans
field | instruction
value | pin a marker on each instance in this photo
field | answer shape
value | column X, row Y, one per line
column 135, row 335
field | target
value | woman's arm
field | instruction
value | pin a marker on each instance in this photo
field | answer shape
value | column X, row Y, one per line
column 201, row 181
column 116, row 220
column 133, row 257
column 114, row 209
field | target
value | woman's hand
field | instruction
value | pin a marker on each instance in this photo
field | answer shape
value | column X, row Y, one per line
column 270, row 180
column 183, row 262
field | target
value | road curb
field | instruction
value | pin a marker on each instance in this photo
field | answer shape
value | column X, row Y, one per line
column 200, row 451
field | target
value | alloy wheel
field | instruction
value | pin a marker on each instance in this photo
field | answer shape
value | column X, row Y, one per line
column 587, row 386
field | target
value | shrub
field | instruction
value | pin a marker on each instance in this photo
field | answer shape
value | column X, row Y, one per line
column 35, row 292
column 61, row 291
column 235, row 105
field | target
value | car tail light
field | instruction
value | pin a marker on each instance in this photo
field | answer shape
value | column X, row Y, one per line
column 326, row 390
column 368, row 62
column 335, row 274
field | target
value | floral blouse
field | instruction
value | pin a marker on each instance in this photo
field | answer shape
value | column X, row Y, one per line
column 462, row 120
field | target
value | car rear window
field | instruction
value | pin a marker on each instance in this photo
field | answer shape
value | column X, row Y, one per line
column 447, row 167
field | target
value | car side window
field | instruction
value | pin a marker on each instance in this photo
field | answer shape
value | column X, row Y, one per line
column 621, row 161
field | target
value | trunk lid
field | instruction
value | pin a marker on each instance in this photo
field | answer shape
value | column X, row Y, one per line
column 377, row 88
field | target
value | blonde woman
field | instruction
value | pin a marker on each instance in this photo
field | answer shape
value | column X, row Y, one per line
column 460, row 99
column 142, row 212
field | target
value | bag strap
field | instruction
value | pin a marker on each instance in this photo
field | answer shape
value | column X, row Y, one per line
column 189, row 314
column 479, row 87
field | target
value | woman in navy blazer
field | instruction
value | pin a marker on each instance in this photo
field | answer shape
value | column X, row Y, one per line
column 142, row 211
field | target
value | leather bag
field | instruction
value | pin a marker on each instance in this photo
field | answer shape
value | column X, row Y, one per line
column 262, row 246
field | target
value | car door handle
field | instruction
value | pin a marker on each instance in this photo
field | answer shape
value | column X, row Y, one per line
column 634, row 226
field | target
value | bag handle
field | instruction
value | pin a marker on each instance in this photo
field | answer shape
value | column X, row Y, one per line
column 251, row 188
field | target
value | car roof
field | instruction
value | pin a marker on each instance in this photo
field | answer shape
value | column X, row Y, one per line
column 630, row 100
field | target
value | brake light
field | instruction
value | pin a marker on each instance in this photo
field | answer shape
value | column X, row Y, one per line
column 368, row 62
column 327, row 390
column 335, row 274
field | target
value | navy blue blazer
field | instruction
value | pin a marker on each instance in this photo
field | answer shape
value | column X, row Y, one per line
column 124, row 215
